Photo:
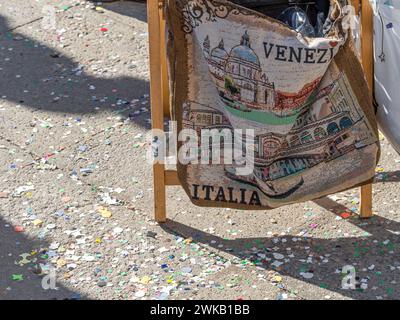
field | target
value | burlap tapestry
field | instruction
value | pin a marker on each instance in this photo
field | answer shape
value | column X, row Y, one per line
column 306, row 100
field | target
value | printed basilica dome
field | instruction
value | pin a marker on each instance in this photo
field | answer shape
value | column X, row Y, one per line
column 219, row 53
column 244, row 53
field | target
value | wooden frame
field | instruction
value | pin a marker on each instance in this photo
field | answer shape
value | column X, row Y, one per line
column 159, row 96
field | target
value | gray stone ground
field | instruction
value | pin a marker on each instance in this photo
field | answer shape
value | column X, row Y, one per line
column 74, row 111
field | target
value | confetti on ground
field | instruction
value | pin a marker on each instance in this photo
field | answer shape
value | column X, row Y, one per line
column 105, row 213
column 76, row 188
column 345, row 215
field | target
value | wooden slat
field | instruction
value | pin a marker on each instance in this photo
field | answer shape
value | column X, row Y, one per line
column 157, row 116
column 356, row 4
column 171, row 178
column 164, row 69
column 366, row 201
column 368, row 65
column 367, row 53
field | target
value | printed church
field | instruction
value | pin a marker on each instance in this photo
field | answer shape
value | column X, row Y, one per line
column 240, row 70
column 239, row 77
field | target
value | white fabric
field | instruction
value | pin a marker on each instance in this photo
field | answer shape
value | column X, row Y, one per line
column 356, row 32
column 387, row 69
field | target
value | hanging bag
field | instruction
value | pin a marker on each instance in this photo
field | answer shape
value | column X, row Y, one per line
column 303, row 100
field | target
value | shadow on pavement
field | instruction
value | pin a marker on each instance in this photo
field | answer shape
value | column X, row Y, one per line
column 131, row 9
column 41, row 78
column 387, row 176
column 378, row 249
column 20, row 277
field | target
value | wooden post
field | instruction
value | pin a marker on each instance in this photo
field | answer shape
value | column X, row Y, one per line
column 157, row 115
column 164, row 70
column 367, row 58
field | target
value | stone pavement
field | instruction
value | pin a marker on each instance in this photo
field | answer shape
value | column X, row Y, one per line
column 76, row 189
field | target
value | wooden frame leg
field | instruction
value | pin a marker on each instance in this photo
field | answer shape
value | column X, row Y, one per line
column 368, row 65
column 157, row 115
column 164, row 69
column 366, row 201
